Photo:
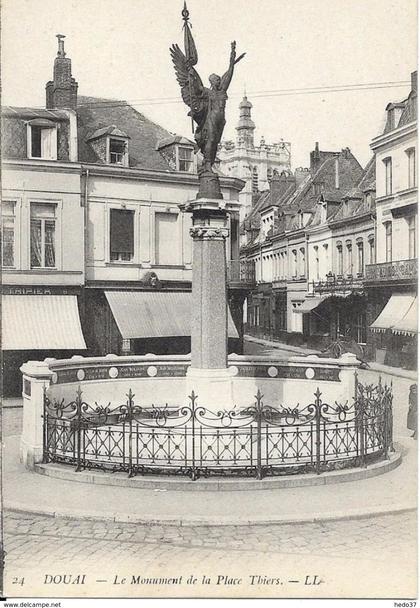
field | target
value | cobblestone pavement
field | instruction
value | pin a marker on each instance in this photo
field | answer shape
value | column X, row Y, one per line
column 51, row 540
column 11, row 421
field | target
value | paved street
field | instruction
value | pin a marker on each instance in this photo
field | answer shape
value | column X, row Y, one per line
column 50, row 545
column 58, row 539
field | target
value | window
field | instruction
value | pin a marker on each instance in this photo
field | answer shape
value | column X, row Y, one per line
column 42, row 141
column 388, row 241
column 360, row 328
column 185, row 159
column 388, row 175
column 411, row 157
column 295, row 261
column 43, row 218
column 7, row 234
column 349, row 247
column 339, row 259
column 316, row 254
column 166, row 238
column 296, row 318
column 118, row 151
column 412, row 237
column 360, row 257
column 121, row 235
column 255, row 179
column 371, row 241
column 302, row 261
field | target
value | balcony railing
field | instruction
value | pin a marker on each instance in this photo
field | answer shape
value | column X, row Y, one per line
column 336, row 284
column 392, row 271
column 241, row 271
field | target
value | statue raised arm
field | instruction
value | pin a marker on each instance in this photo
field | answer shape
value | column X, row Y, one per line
column 207, row 105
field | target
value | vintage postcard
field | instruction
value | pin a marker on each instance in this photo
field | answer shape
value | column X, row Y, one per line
column 209, row 300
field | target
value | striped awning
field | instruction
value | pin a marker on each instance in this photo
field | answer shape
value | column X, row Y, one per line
column 155, row 314
column 41, row 323
column 310, row 303
column 396, row 310
column 407, row 325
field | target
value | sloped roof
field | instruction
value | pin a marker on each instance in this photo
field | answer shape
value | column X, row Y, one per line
column 97, row 113
column 111, row 130
column 356, row 205
column 409, row 114
column 173, row 139
column 33, row 113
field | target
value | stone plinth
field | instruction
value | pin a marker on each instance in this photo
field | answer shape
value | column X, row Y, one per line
column 36, row 379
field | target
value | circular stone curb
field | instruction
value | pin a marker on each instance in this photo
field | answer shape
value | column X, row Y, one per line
column 216, row 484
column 219, row 521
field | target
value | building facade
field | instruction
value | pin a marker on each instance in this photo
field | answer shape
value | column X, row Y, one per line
column 96, row 254
column 391, row 278
column 304, row 290
column 254, row 164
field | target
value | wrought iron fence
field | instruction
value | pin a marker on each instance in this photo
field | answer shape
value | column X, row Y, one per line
column 192, row 440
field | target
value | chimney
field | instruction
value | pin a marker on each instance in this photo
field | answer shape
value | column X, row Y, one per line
column 275, row 187
column 301, row 173
column 336, row 171
column 315, row 157
column 61, row 92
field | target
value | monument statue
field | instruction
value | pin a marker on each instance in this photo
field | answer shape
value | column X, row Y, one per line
column 207, row 105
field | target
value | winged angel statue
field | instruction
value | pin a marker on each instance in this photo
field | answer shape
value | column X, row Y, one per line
column 207, row 105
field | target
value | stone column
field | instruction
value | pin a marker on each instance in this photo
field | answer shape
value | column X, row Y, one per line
column 209, row 375
column 209, row 297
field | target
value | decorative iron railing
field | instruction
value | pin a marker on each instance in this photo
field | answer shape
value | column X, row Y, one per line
column 336, row 284
column 400, row 269
column 191, row 440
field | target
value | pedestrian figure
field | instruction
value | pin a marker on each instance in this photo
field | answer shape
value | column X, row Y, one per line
column 412, row 410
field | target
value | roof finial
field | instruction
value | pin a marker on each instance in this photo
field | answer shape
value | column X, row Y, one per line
column 61, row 52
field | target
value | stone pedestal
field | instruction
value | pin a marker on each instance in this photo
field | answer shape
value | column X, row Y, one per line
column 212, row 387
column 208, row 375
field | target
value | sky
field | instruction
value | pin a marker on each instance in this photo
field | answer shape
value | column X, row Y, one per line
column 119, row 50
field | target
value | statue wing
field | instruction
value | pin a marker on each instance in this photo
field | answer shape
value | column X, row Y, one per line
column 190, row 82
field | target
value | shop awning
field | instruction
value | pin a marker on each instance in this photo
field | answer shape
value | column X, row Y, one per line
column 408, row 324
column 41, row 323
column 394, row 312
column 310, row 304
column 154, row 314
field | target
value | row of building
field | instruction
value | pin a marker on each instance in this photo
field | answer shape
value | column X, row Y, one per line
column 96, row 254
column 332, row 249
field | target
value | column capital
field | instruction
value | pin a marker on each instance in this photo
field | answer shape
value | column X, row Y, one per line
column 209, row 233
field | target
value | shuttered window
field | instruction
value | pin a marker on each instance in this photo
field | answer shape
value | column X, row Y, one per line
column 121, row 235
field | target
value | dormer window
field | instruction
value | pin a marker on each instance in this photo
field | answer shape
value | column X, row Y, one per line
column 110, row 144
column 118, row 152
column 42, row 139
column 185, row 159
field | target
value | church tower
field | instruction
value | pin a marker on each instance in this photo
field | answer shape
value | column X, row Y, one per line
column 246, row 126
